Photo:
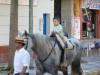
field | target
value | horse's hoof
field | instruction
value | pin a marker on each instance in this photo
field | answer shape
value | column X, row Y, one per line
column 62, row 68
column 63, row 65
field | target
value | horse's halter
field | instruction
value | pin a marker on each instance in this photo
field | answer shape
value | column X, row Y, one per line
column 26, row 42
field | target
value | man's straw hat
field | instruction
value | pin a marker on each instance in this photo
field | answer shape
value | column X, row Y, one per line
column 19, row 39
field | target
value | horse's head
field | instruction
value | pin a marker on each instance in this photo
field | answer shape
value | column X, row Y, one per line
column 28, row 41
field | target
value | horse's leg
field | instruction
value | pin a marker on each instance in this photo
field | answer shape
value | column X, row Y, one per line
column 80, row 70
column 55, row 72
column 39, row 68
column 65, row 72
column 38, row 72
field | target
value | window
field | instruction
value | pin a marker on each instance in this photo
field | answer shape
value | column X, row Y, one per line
column 90, row 28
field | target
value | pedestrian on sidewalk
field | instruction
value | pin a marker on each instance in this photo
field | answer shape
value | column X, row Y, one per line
column 21, row 59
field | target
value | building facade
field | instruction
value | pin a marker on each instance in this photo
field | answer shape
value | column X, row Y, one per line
column 43, row 12
column 70, row 12
column 72, row 18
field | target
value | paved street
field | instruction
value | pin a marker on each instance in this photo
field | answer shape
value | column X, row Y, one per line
column 91, row 64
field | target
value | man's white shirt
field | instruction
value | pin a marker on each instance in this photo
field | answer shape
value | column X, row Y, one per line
column 21, row 59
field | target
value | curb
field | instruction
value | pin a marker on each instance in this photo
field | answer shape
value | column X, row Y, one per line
column 93, row 73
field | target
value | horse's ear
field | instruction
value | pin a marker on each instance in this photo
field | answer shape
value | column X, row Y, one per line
column 25, row 33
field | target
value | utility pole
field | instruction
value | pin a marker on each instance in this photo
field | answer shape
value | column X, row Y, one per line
column 30, row 16
column 31, row 29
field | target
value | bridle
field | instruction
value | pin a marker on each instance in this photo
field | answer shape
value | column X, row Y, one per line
column 53, row 46
column 26, row 43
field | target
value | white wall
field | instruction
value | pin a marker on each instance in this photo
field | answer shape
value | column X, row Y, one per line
column 4, row 23
column 43, row 6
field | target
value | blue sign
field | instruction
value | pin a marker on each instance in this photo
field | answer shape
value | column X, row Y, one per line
column 92, row 4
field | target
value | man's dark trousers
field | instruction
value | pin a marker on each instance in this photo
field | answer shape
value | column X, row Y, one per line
column 24, row 74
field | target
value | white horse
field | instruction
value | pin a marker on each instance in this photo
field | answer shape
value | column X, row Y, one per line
column 49, row 54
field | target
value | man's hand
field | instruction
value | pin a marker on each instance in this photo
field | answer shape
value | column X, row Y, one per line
column 23, row 70
column 11, row 71
column 21, row 74
column 8, row 73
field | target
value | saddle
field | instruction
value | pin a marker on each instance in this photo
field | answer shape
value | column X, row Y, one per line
column 63, row 52
column 53, row 36
column 64, row 43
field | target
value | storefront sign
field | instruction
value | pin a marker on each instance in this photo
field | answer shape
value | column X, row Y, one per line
column 92, row 4
column 77, row 27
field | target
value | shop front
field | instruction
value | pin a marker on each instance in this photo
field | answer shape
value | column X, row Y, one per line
column 90, row 19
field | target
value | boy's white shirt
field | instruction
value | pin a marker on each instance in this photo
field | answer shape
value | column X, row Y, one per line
column 58, row 29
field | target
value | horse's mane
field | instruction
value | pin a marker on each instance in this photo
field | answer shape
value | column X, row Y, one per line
column 43, row 42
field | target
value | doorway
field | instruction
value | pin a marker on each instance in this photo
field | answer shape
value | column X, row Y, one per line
column 94, row 22
column 57, row 8
column 46, row 24
column 90, row 28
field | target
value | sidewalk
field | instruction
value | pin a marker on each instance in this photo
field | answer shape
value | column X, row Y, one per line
column 92, row 67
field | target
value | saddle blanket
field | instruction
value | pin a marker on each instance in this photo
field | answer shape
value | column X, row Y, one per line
column 70, row 45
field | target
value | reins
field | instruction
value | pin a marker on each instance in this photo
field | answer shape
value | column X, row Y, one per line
column 53, row 47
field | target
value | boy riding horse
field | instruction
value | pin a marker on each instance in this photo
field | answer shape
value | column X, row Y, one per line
column 59, row 34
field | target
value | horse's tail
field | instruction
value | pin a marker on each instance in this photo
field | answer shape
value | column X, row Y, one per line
column 76, row 66
column 73, row 68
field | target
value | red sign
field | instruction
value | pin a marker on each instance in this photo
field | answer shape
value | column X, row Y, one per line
column 77, row 27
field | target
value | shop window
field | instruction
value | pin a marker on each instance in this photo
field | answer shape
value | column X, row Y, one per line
column 89, row 29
